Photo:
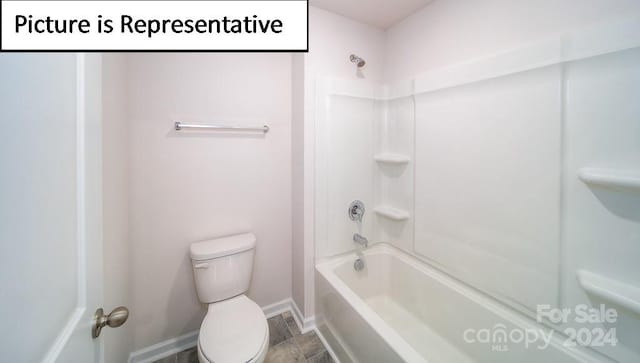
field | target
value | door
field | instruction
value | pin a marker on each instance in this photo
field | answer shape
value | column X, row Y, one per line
column 50, row 213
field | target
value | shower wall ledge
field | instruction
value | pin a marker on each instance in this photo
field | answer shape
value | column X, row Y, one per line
column 619, row 293
column 620, row 180
column 392, row 213
column 392, row 158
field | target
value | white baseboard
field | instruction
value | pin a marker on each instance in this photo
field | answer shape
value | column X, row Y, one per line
column 305, row 324
column 175, row 345
column 277, row 308
column 165, row 348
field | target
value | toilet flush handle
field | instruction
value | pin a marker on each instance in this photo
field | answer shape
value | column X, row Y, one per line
column 201, row 265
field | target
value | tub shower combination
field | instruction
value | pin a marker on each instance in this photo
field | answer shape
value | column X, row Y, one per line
column 497, row 192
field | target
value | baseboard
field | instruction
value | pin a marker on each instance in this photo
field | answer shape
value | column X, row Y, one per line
column 175, row 345
column 277, row 308
column 165, row 348
column 305, row 324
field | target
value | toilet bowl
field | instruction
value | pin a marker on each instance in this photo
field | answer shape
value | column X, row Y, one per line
column 235, row 328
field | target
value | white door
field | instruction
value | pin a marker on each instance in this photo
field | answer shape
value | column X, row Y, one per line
column 50, row 210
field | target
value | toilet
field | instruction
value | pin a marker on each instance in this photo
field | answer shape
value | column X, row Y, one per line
column 235, row 328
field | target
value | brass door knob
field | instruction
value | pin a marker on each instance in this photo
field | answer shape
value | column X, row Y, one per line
column 115, row 319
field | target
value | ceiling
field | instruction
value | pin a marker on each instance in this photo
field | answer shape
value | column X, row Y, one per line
column 379, row 13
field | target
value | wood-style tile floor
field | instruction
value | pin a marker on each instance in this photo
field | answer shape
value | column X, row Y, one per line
column 286, row 345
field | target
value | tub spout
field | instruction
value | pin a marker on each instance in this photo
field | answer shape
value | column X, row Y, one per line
column 357, row 238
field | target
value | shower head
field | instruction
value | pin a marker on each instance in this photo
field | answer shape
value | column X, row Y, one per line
column 357, row 60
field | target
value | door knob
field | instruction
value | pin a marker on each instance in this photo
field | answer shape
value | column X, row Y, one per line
column 116, row 318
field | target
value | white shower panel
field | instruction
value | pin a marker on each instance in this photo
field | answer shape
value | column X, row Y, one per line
column 394, row 172
column 364, row 140
column 347, row 112
column 602, row 223
column 488, row 184
column 350, row 167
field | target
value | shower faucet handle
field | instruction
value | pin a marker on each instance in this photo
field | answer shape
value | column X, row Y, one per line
column 356, row 210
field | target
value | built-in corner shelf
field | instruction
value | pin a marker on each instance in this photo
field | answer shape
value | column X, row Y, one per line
column 391, row 212
column 621, row 180
column 391, row 158
column 619, row 293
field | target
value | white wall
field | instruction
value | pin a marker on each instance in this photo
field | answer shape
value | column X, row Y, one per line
column 452, row 31
column 332, row 38
column 190, row 186
column 115, row 171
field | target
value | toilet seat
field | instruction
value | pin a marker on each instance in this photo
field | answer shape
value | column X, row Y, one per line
column 233, row 331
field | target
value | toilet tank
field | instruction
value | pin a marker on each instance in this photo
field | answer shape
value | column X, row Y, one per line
column 222, row 267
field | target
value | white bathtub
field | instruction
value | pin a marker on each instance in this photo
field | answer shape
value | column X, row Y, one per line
column 398, row 309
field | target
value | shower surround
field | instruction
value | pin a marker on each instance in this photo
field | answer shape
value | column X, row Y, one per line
column 510, row 179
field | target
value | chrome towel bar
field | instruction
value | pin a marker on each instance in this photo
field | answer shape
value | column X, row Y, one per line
column 180, row 126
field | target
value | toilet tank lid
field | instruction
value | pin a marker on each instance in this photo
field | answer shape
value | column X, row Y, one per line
column 223, row 246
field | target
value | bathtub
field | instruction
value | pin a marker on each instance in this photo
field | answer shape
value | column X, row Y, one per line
column 399, row 309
